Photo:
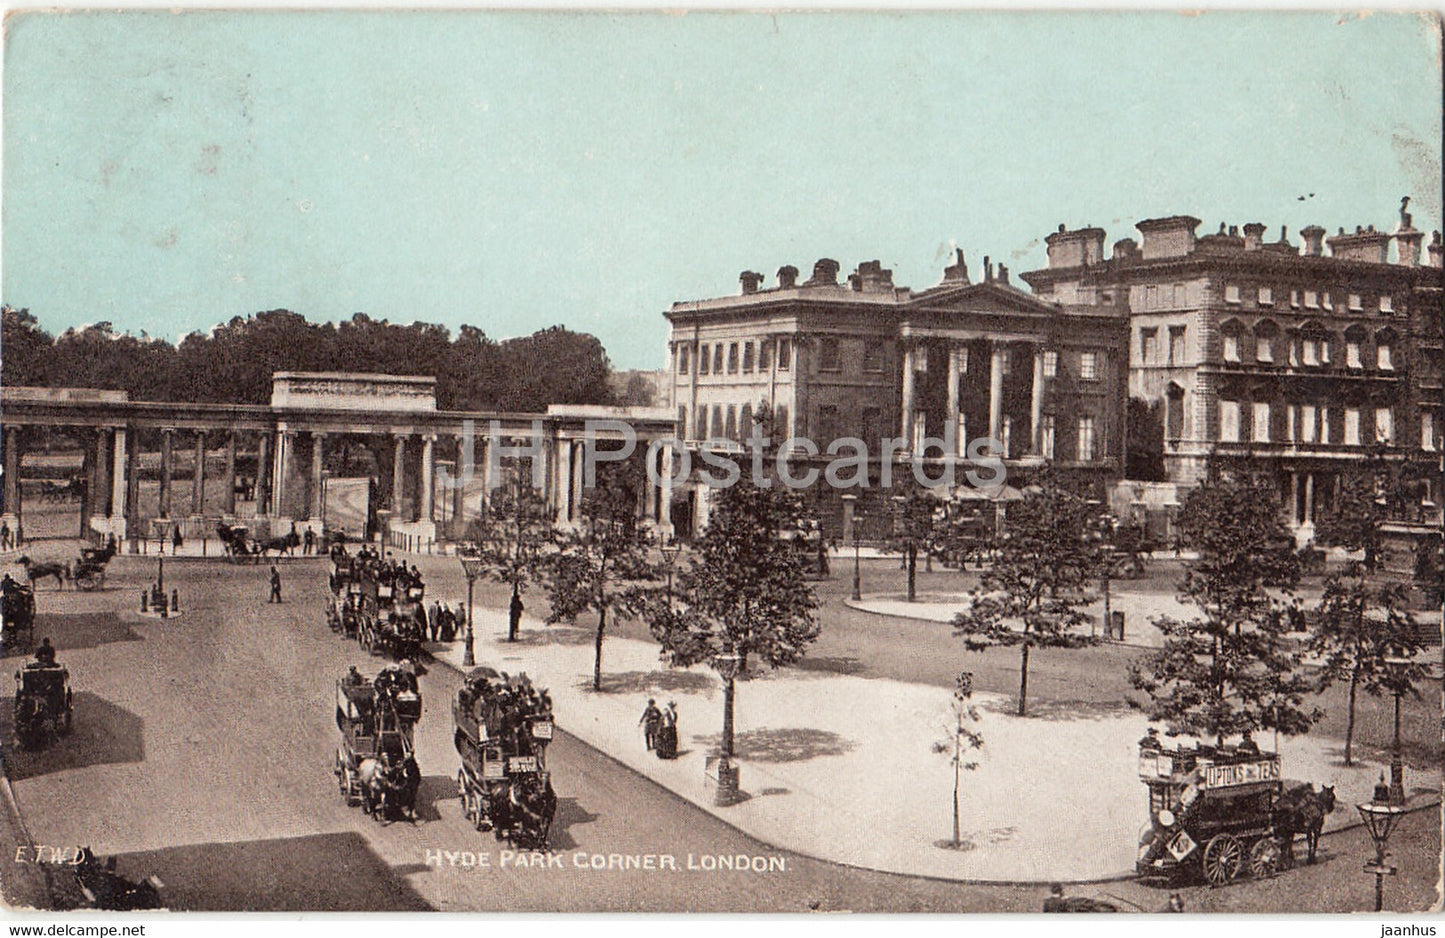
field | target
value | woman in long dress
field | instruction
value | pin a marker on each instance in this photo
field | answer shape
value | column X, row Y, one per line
column 667, row 733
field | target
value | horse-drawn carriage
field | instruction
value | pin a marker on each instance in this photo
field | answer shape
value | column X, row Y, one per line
column 17, row 613
column 43, row 704
column 1219, row 812
column 376, row 763
column 391, row 619
column 241, row 547
column 89, row 571
column 502, row 729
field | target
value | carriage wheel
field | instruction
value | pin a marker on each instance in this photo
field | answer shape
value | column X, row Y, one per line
column 1223, row 858
column 90, row 580
column 1264, row 857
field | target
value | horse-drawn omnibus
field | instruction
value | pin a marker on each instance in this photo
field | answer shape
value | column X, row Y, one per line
column 375, row 763
column 503, row 727
column 43, row 704
column 1219, row 812
column 17, row 613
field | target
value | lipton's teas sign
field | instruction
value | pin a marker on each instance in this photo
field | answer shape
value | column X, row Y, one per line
column 1241, row 773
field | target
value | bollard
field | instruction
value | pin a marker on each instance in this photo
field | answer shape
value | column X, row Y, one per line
column 144, row 605
column 175, row 600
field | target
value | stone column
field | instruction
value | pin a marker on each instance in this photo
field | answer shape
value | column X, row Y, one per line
column 649, row 488
column 484, row 464
column 230, row 478
column 995, row 390
column 579, row 453
column 164, row 508
column 1309, row 498
column 87, row 497
column 910, row 364
column 664, row 509
column 563, row 486
column 198, row 478
column 1293, row 498
column 12, row 471
column 428, row 477
column 398, row 475
column 283, row 468
column 263, row 475
column 1036, row 403
column 318, row 453
column 100, row 504
column 118, row 487
column 132, row 489
column 465, row 468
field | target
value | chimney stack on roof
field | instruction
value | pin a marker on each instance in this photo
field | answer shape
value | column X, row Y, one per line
column 871, row 277
column 1407, row 239
column 1168, row 237
column 1314, row 237
column 750, row 280
column 1079, row 248
column 1003, row 274
column 1126, row 249
column 1366, row 244
column 1253, row 236
column 787, row 277
column 1436, row 249
column 825, row 273
column 957, row 272
column 987, row 269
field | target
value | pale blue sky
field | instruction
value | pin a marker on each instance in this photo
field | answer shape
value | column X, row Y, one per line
column 517, row 170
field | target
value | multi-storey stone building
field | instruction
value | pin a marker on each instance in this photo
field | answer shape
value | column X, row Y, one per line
column 822, row 360
column 1276, row 356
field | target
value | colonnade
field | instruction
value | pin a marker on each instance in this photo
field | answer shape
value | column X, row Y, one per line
column 910, row 418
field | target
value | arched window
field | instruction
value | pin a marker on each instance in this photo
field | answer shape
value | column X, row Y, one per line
column 1355, row 338
column 1266, row 341
column 1385, row 350
column 1229, row 333
column 1314, row 345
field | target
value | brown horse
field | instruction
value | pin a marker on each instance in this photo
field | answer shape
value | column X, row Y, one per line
column 1302, row 810
column 40, row 571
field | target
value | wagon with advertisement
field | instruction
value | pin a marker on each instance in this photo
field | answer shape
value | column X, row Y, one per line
column 503, row 726
column 1214, row 813
column 377, row 719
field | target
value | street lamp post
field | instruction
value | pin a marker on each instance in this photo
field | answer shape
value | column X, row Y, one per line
column 727, row 664
column 1380, row 816
column 852, row 500
column 1397, row 664
column 669, row 559
column 472, row 568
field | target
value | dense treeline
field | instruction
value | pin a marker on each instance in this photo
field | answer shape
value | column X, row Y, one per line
column 233, row 363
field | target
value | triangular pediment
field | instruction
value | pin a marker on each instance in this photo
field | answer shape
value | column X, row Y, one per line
column 988, row 298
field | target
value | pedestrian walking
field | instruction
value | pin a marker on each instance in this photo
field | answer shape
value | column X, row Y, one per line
column 667, row 733
column 514, row 613
column 651, row 722
column 308, row 543
column 434, row 620
column 177, row 540
column 459, row 619
column 4, row 535
column 275, row 586
column 446, row 625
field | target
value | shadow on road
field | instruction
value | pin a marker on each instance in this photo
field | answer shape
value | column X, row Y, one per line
column 101, row 734
column 820, row 667
column 550, row 635
column 569, row 814
column 796, row 744
column 1061, row 710
column 79, row 631
column 662, row 682
column 320, row 873
column 434, row 788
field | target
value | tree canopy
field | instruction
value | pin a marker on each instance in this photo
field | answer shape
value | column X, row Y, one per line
column 234, row 361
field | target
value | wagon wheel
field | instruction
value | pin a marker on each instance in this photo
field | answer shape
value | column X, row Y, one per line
column 1264, row 857
column 90, row 579
column 1223, row 857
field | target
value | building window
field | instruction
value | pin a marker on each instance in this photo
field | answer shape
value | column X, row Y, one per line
column 703, row 360
column 717, row 358
column 1384, row 425
column 785, row 354
column 1294, row 298
column 1312, row 299
column 733, row 358
column 1181, row 296
column 827, row 423
column 717, row 422
column 682, row 422
column 1148, row 346
column 1151, row 296
column 1046, row 436
column 1005, row 435
column 1311, row 351
column 1266, row 296
column 1229, row 421
column 1051, row 364
column 1352, row 353
column 1384, row 360
column 780, row 422
column 1427, row 431
column 1324, row 425
column 1089, row 366
column 1261, row 422
column 1352, row 426
column 1176, row 345
column 1086, row 439
column 1326, row 301
column 745, row 422
column 1231, row 294
column 1308, row 418
column 699, row 426
column 872, row 356
column 1387, row 304
column 1356, row 303
column 827, row 354
column 765, row 355
column 748, row 357
column 1264, row 349
column 682, row 359
column 872, row 425
column 1231, row 346
column 730, row 426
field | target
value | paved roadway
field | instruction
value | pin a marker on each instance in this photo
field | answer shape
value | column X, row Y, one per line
column 203, row 748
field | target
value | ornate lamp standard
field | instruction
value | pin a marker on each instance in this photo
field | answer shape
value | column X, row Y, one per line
column 670, row 552
column 472, row 568
column 1397, row 665
column 1380, row 816
column 726, row 665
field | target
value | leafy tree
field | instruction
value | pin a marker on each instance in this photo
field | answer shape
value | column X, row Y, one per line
column 1229, row 669
column 511, row 536
column 1358, row 514
column 25, row 346
column 1144, row 461
column 1359, row 626
column 1035, row 593
column 602, row 564
column 743, row 593
column 963, row 739
column 916, row 522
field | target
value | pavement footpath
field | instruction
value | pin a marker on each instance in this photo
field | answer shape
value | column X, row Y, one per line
column 843, row 768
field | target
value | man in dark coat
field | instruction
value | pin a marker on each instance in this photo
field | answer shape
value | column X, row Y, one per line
column 515, row 612
column 651, row 722
column 275, row 586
